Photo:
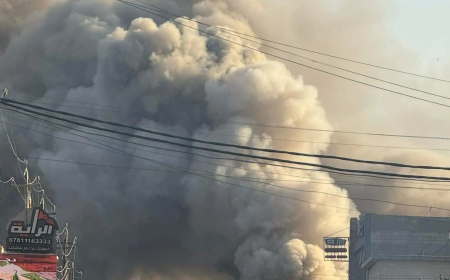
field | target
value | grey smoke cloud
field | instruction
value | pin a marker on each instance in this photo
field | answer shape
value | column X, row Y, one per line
column 14, row 14
column 159, row 223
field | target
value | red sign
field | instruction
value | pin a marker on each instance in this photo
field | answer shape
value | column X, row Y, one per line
column 28, row 266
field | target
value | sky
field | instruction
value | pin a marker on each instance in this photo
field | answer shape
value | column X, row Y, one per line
column 423, row 27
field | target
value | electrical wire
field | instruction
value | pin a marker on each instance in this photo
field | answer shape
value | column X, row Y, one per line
column 9, row 181
column 9, row 139
column 310, row 59
column 322, row 192
column 65, row 229
column 342, row 196
column 295, row 47
column 319, row 181
column 337, row 232
column 44, row 196
column 285, row 59
column 210, row 157
column 4, row 101
column 210, row 149
column 307, row 129
column 5, row 92
column 209, row 177
column 269, row 184
column 70, row 100
column 266, row 163
column 15, row 147
column 224, row 182
column 280, row 139
column 341, row 131
column 71, row 249
column 78, row 107
column 18, row 190
column 186, row 171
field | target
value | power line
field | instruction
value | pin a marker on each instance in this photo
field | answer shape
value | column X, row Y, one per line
column 274, row 185
column 297, row 128
column 285, row 59
column 318, row 142
column 295, row 47
column 8, row 181
column 337, row 232
column 9, row 140
column 331, row 182
column 238, row 159
column 7, row 103
column 264, row 183
column 182, row 171
column 216, row 150
column 166, row 171
column 224, row 182
column 306, row 58
column 78, row 107
column 341, row 131
column 225, row 144
column 13, row 148
column 69, row 100
column 280, row 139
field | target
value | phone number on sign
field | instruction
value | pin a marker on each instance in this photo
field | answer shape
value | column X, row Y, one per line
column 30, row 240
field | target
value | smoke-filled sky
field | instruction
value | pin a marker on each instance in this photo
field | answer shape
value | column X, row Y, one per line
column 151, row 220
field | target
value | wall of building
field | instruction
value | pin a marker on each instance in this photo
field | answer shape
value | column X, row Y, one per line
column 400, row 235
column 401, row 238
column 407, row 270
column 399, row 247
column 354, row 268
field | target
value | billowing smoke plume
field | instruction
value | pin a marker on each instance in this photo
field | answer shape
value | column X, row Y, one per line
column 152, row 220
column 13, row 15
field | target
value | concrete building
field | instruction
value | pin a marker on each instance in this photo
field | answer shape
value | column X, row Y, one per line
column 399, row 247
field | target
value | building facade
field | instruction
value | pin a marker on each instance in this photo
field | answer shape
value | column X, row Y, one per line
column 386, row 247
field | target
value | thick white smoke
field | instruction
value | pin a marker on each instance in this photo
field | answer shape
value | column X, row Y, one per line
column 154, row 222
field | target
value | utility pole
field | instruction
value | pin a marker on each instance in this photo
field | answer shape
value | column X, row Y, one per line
column 67, row 249
column 27, row 187
column 64, row 250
